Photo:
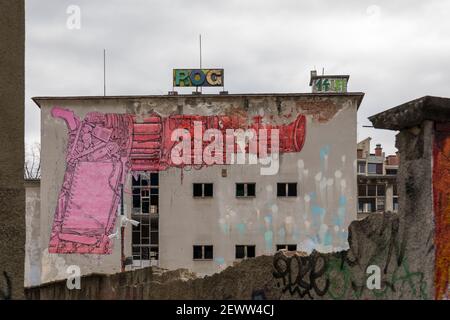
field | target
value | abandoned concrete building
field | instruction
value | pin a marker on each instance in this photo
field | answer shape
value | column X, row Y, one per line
column 377, row 180
column 106, row 164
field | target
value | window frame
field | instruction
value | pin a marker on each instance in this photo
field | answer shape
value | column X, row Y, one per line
column 245, row 184
column 287, row 189
column 203, row 184
column 245, row 247
column 203, row 251
column 286, row 246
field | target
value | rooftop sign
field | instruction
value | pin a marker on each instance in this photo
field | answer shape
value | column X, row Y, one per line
column 328, row 83
column 198, row 77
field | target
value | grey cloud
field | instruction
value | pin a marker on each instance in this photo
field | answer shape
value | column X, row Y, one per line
column 393, row 50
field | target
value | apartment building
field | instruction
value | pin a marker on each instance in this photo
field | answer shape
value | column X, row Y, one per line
column 377, row 173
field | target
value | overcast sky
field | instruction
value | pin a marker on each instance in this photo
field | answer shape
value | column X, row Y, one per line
column 393, row 52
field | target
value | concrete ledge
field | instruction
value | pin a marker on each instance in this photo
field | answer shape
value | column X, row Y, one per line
column 413, row 113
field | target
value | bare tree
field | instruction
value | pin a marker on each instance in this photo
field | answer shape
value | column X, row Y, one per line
column 32, row 168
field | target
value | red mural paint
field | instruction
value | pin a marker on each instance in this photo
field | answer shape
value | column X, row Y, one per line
column 152, row 143
column 441, row 195
column 103, row 148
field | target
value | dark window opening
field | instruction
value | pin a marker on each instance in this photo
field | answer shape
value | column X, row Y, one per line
column 281, row 190
column 202, row 190
column 208, row 190
column 245, row 251
column 286, row 189
column 245, row 189
column 381, row 190
column 198, row 252
column 362, row 190
column 203, row 252
column 289, row 247
column 371, row 190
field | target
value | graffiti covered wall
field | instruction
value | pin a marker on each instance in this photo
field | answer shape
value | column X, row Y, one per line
column 441, row 194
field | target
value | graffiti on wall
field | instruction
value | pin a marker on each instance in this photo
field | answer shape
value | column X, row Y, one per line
column 342, row 275
column 103, row 148
column 441, row 194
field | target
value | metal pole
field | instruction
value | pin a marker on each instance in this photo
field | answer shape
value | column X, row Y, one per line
column 104, row 72
column 200, row 38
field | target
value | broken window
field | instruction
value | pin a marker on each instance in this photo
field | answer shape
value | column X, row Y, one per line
column 202, row 252
column 145, row 236
column 203, row 190
column 245, row 251
column 286, row 189
column 245, row 189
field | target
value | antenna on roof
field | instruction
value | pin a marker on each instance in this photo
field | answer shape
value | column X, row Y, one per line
column 104, row 72
column 200, row 42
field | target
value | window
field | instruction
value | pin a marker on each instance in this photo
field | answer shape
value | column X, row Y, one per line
column 362, row 190
column 203, row 190
column 203, row 252
column 366, row 205
column 371, row 190
column 391, row 172
column 245, row 190
column 288, row 247
column 145, row 202
column 145, row 192
column 375, row 168
column 362, row 167
column 381, row 190
column 286, row 189
column 395, row 191
column 245, row 251
column 395, row 203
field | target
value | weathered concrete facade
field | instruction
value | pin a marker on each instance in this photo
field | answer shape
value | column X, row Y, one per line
column 12, row 193
column 423, row 186
column 317, row 218
column 33, row 225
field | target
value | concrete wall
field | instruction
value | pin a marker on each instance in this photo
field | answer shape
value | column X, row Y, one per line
column 12, row 193
column 317, row 219
column 33, row 226
column 340, row 275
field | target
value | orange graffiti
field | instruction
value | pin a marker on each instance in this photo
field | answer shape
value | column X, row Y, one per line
column 441, row 196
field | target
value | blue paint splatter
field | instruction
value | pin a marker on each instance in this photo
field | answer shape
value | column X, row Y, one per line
column 328, row 240
column 282, row 234
column 224, row 227
column 220, row 261
column 241, row 228
column 342, row 201
column 324, row 151
column 268, row 238
column 268, row 219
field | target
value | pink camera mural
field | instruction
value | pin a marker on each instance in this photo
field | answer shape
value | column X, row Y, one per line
column 103, row 148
